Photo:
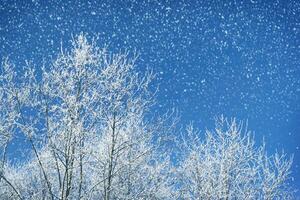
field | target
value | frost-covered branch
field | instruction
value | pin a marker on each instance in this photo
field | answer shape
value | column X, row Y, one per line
column 227, row 165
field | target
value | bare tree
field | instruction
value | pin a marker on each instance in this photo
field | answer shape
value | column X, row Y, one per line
column 227, row 165
column 84, row 117
column 8, row 117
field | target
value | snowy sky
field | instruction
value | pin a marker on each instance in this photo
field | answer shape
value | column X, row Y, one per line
column 237, row 58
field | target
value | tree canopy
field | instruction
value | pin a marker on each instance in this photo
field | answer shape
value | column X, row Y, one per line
column 86, row 118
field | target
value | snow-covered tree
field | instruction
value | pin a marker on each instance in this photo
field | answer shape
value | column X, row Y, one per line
column 84, row 118
column 227, row 165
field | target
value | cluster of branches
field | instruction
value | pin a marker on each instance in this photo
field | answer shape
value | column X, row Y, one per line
column 227, row 165
column 86, row 119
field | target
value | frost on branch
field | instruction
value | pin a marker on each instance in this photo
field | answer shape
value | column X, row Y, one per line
column 84, row 118
column 227, row 165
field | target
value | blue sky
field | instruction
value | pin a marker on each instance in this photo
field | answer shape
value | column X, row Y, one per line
column 237, row 58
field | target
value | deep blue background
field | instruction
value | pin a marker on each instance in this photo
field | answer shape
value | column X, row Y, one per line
column 237, row 58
